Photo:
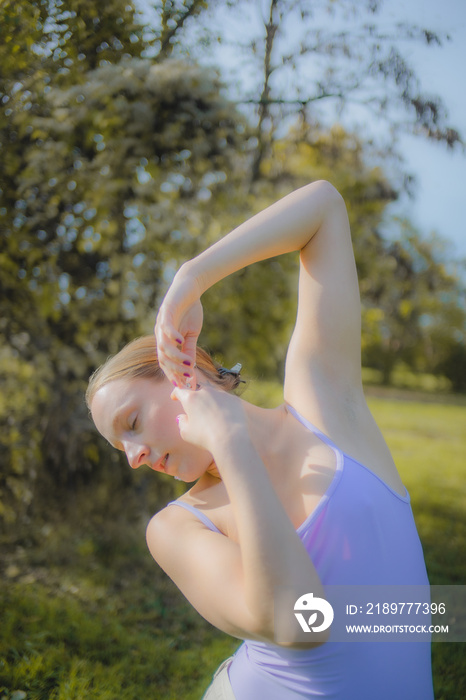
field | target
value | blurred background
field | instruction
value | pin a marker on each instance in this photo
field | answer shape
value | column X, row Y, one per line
column 133, row 135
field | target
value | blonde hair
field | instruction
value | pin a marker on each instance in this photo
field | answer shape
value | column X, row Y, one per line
column 138, row 359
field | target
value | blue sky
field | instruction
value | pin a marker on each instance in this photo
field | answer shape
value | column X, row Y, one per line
column 441, row 174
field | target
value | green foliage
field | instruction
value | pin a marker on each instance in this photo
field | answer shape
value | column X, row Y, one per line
column 20, row 439
column 402, row 377
column 108, row 156
column 87, row 612
column 453, row 365
column 62, row 647
column 411, row 305
column 44, row 44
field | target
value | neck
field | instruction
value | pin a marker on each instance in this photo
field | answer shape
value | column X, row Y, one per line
column 266, row 430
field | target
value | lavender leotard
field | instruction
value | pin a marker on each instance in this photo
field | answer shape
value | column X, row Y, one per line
column 361, row 533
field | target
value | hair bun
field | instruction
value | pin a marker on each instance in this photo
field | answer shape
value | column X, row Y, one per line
column 234, row 373
column 234, row 370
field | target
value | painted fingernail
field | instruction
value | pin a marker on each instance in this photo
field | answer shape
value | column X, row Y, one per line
column 187, row 362
column 180, row 342
column 185, row 374
column 174, row 384
column 177, row 419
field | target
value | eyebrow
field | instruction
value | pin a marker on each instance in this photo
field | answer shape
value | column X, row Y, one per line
column 118, row 420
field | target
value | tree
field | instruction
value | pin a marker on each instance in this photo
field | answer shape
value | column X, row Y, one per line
column 453, row 365
column 411, row 297
column 290, row 59
column 42, row 42
column 103, row 158
column 411, row 305
column 282, row 67
column 251, row 315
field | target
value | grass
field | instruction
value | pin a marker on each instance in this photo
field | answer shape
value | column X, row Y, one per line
column 428, row 441
column 80, row 630
column 86, row 614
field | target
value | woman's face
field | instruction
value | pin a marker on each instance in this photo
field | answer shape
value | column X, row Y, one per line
column 139, row 417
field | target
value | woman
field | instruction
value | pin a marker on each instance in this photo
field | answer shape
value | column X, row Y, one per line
column 286, row 501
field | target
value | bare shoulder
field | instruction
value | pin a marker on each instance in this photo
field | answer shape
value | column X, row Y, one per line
column 173, row 535
column 166, row 523
column 173, row 527
column 167, row 527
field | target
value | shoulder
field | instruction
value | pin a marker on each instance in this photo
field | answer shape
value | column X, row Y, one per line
column 165, row 527
column 183, row 517
column 172, row 535
column 168, row 521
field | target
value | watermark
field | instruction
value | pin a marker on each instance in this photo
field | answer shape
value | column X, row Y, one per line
column 372, row 613
column 309, row 603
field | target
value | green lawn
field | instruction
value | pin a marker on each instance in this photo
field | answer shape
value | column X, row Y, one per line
column 85, row 614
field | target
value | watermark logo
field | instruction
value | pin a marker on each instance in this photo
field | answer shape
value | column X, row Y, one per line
column 312, row 605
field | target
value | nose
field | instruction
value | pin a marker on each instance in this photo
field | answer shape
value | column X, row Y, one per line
column 136, row 454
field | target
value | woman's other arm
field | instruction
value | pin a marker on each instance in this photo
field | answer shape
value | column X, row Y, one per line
column 246, row 588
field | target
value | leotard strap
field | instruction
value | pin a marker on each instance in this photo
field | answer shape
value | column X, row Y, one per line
column 198, row 513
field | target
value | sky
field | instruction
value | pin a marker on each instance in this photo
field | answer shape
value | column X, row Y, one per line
column 440, row 173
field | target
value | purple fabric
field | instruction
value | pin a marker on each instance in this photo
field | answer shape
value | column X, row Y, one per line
column 361, row 533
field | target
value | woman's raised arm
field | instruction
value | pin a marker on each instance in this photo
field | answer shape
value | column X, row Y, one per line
column 286, row 226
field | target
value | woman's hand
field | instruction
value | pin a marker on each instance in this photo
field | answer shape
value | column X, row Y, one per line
column 179, row 322
column 212, row 417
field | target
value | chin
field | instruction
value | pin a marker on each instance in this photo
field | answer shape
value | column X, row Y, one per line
column 192, row 474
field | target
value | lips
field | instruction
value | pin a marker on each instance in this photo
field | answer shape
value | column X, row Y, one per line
column 160, row 465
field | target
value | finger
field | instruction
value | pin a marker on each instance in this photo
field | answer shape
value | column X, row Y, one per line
column 167, row 346
column 164, row 339
column 189, row 348
column 180, row 394
column 183, row 393
column 179, row 376
column 181, row 420
column 164, row 326
column 174, row 364
column 167, row 351
column 183, row 426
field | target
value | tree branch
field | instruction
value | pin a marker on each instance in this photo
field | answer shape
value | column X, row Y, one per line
column 166, row 46
column 264, row 100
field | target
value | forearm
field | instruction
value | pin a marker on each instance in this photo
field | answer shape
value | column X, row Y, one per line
column 273, row 557
column 286, row 226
